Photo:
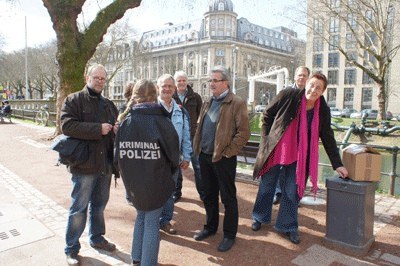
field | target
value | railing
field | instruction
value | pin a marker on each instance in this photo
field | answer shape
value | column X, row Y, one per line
column 249, row 153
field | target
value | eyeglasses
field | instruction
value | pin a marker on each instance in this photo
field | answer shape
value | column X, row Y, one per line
column 99, row 78
column 215, row 80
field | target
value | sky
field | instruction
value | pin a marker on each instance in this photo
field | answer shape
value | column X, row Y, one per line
column 150, row 15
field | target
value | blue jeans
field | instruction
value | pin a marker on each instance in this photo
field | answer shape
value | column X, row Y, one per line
column 197, row 177
column 288, row 209
column 90, row 193
column 168, row 208
column 146, row 237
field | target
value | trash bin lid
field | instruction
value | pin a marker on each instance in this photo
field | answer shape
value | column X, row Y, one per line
column 348, row 185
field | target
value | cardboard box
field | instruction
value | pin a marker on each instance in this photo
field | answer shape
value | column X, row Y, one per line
column 363, row 163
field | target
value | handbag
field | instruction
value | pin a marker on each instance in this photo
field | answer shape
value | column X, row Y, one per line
column 71, row 151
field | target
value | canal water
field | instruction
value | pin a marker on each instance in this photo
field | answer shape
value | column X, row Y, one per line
column 384, row 184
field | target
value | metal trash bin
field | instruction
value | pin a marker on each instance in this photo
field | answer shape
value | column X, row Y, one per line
column 350, row 214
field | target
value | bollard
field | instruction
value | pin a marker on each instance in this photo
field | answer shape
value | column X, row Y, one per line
column 350, row 214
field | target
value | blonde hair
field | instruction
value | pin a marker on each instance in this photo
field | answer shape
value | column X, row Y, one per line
column 143, row 91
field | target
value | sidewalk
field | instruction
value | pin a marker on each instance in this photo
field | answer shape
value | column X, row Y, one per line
column 40, row 223
column 32, row 223
column 32, row 228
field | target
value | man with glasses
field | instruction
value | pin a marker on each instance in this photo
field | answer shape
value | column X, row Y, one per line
column 222, row 132
column 87, row 115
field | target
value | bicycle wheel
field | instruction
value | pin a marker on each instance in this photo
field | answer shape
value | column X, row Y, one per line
column 45, row 118
column 39, row 118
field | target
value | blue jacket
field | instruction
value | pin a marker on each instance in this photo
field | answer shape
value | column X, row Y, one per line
column 180, row 120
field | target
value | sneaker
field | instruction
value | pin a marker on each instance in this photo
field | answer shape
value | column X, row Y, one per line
column 105, row 245
column 72, row 259
column 135, row 263
column 167, row 228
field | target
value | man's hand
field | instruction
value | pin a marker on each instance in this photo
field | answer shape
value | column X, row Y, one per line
column 115, row 128
column 106, row 128
column 184, row 165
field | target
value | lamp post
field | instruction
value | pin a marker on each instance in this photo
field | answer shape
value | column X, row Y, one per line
column 26, row 63
column 235, row 50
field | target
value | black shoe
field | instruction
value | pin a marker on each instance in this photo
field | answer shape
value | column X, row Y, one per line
column 135, row 263
column 277, row 199
column 294, row 237
column 72, row 259
column 226, row 244
column 203, row 234
column 105, row 245
column 256, row 226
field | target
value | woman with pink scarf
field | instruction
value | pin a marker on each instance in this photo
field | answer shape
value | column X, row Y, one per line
column 292, row 125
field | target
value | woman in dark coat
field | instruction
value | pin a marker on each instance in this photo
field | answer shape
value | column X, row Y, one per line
column 147, row 154
column 292, row 124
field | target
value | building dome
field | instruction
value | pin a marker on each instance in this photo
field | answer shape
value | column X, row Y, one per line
column 221, row 5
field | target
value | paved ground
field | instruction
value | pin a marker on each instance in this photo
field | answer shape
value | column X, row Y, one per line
column 34, row 198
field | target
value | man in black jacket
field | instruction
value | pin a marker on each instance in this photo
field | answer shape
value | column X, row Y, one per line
column 87, row 115
column 185, row 96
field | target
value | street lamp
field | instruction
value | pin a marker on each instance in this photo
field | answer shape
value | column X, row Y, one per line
column 235, row 51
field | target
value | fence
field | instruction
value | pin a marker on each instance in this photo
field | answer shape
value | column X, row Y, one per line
column 249, row 153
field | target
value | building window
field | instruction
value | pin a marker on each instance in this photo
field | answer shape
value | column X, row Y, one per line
column 334, row 25
column 331, row 97
column 352, row 55
column 204, row 68
column 333, row 76
column 348, row 98
column 333, row 42
column 366, row 79
column 333, row 60
column 351, row 22
column 191, row 69
column 318, row 27
column 317, row 60
column 366, row 98
column 350, row 41
column 350, row 76
column 318, row 44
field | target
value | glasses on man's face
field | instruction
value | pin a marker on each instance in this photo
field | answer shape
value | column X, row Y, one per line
column 215, row 80
column 99, row 78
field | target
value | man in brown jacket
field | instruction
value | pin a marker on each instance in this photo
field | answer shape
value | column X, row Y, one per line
column 222, row 132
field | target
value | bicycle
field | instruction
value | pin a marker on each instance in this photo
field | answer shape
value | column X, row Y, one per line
column 42, row 116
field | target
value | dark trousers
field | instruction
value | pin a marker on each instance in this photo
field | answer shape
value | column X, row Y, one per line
column 219, row 178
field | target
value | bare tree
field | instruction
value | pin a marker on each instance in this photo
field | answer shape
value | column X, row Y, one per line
column 75, row 47
column 362, row 31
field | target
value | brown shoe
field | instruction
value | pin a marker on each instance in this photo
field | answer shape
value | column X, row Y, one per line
column 105, row 245
column 167, row 228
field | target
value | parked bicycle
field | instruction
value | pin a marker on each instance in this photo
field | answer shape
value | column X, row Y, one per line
column 42, row 116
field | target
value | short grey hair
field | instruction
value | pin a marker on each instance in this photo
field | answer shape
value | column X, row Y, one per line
column 165, row 77
column 224, row 73
column 302, row 68
column 93, row 67
column 180, row 73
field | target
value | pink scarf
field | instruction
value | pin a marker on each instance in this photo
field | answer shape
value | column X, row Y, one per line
column 303, row 147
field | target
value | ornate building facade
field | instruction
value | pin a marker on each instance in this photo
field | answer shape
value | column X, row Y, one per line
column 219, row 38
